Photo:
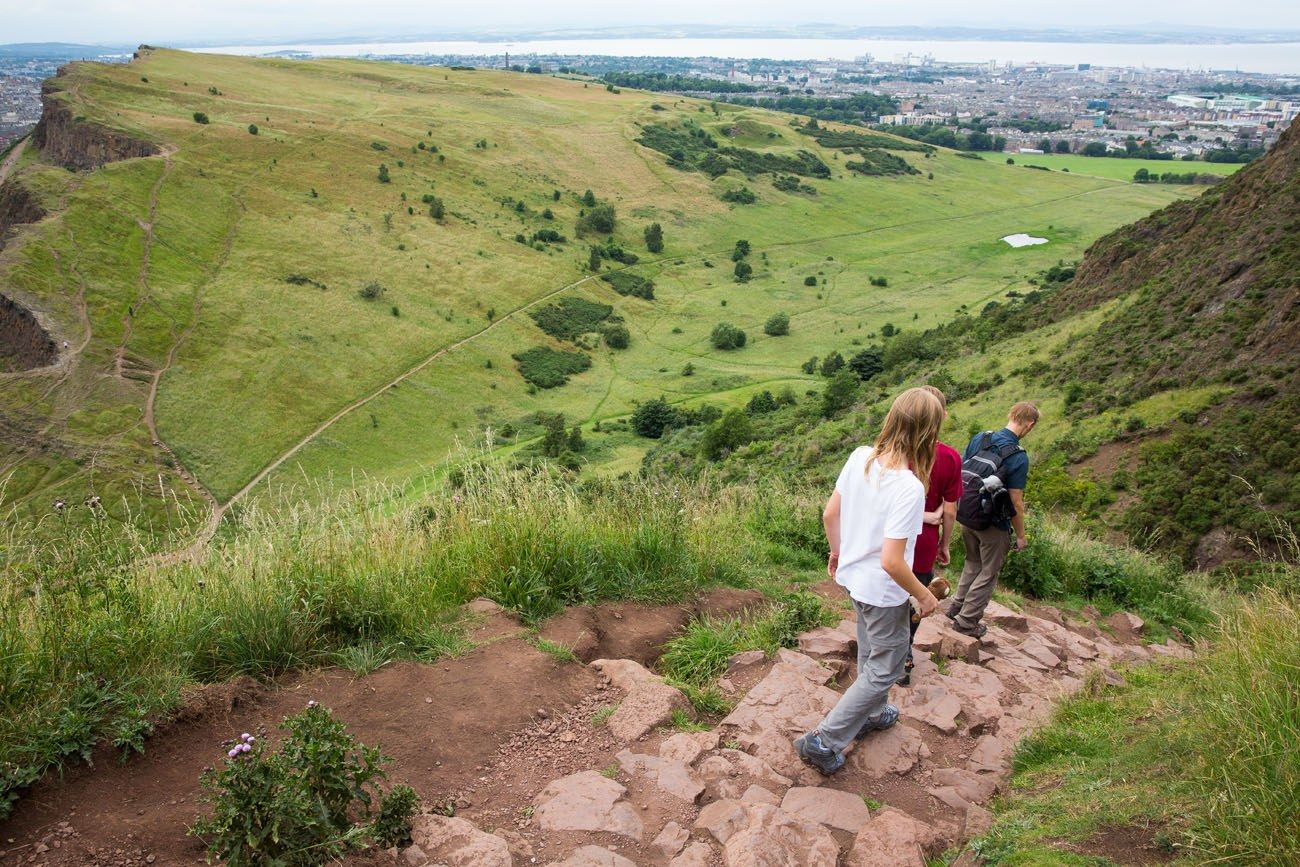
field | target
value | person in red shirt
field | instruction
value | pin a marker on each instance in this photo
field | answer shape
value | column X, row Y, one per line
column 940, row 517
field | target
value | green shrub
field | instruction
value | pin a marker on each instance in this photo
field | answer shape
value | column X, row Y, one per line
column 550, row 368
column 200, row 117
column 777, row 325
column 372, row 291
column 616, row 336
column 743, row 271
column 651, row 418
column 840, row 393
column 654, row 238
column 627, row 283
column 252, row 129
column 306, row 803
column 383, row 174
column 571, row 317
column 740, row 196
column 599, row 219
column 726, row 435
column 726, row 336
column 810, row 280
column 867, row 363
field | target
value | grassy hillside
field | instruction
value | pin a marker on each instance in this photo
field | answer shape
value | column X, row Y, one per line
column 212, row 295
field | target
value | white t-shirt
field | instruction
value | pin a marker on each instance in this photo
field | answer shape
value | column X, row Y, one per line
column 887, row 504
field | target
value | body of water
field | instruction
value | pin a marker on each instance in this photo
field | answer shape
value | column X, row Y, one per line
column 1275, row 58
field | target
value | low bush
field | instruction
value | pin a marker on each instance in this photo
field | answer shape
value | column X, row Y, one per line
column 616, row 335
column 308, row 802
column 599, row 219
column 726, row 336
column 571, row 317
column 740, row 196
column 627, row 283
column 777, row 325
column 550, row 368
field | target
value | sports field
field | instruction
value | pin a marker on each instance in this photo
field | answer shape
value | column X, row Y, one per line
column 1116, row 168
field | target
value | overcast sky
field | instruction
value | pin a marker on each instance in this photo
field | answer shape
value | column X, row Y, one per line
column 190, row 21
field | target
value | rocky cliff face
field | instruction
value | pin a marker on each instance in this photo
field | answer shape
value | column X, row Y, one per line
column 24, row 344
column 78, row 144
column 17, row 207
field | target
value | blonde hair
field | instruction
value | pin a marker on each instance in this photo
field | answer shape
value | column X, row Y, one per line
column 1024, row 413
column 909, row 433
column 943, row 398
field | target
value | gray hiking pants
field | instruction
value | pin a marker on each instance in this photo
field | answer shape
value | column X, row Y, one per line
column 986, row 551
column 883, row 640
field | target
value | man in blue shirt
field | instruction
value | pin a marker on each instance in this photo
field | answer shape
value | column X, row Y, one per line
column 987, row 549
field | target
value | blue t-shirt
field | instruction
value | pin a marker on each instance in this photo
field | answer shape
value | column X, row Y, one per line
column 1015, row 468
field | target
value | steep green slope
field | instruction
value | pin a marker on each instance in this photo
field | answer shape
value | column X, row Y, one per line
column 213, row 294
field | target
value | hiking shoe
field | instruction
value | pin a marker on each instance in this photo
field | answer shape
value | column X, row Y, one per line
column 979, row 630
column 813, row 752
column 952, row 611
column 887, row 718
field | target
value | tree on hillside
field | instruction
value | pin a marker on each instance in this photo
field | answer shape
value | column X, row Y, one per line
column 200, row 117
column 652, row 418
column 867, row 363
column 840, row 393
column 589, row 199
column 741, row 251
column 1045, row 145
column 810, row 366
column 654, row 238
column 252, row 129
column 777, row 325
column 1062, row 147
column 593, row 260
column 599, row 219
column 726, row 336
column 726, row 435
column 556, row 438
column 832, row 363
column 383, row 174
column 744, row 271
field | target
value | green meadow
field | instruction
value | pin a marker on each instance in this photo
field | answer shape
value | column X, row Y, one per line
column 231, row 269
column 1114, row 168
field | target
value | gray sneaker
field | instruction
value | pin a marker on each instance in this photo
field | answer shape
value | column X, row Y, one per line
column 811, row 749
column 887, row 718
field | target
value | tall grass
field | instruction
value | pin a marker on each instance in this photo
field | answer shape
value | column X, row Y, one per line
column 94, row 637
column 1205, row 754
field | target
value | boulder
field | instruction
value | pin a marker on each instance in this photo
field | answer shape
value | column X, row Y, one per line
column 931, row 704
column 671, row 840
column 824, row 641
column 929, row 634
column 807, row 666
column 758, row 795
column 457, row 843
column 955, row 645
column 754, row 835
column 1038, row 650
column 625, row 673
column 891, row 839
column 896, row 750
column 1126, row 625
column 673, row 778
column 978, row 821
column 414, row 856
column 972, row 787
column 687, row 747
column 780, row 707
column 1000, row 615
column 991, row 753
column 949, row 796
column 648, row 706
column 586, row 801
column 694, row 855
column 729, row 774
column 843, row 811
column 594, row 856
column 978, row 690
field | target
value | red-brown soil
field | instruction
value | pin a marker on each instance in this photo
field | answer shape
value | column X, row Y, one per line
column 442, row 724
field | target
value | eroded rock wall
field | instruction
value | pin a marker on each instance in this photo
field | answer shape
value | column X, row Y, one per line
column 75, row 143
column 24, row 344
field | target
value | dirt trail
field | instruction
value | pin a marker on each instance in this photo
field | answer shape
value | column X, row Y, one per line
column 11, row 159
column 522, row 747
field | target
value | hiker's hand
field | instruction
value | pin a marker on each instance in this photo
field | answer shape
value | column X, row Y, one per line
column 944, row 557
column 1022, row 542
column 832, row 564
column 926, row 604
column 934, row 517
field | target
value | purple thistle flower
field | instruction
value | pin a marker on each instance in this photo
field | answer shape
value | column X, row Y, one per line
column 245, row 737
column 233, row 753
column 243, row 748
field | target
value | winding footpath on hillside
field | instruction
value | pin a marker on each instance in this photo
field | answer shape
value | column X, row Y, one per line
column 523, row 759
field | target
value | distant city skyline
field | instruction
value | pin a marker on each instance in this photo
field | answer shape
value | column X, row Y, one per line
column 192, row 22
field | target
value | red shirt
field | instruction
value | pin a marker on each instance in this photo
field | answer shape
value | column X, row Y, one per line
column 945, row 486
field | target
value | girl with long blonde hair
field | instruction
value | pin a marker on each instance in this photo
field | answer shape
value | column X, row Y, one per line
column 872, row 521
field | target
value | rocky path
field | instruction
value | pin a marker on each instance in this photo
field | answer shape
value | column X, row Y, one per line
column 627, row 790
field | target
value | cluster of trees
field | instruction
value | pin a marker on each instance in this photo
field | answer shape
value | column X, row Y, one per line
column 558, row 441
column 743, row 270
column 1142, row 176
column 942, row 135
column 654, row 238
column 740, row 196
column 662, row 81
column 860, row 108
column 599, row 219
